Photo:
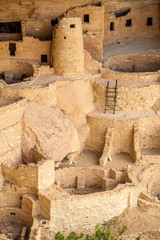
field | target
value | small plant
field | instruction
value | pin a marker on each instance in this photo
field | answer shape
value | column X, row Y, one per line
column 112, row 230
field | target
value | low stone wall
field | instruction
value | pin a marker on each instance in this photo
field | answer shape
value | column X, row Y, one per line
column 34, row 176
column 123, row 131
column 42, row 95
column 67, row 177
column 128, row 99
column 76, row 211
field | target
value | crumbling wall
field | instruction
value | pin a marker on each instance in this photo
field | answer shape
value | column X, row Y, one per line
column 34, row 176
column 10, row 132
column 45, row 95
column 123, row 132
column 68, row 177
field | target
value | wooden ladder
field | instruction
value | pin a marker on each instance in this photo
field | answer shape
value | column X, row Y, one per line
column 111, row 98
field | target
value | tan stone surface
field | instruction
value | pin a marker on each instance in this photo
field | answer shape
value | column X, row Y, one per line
column 49, row 132
column 76, row 102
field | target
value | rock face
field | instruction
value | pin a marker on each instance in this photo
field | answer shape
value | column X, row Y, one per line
column 47, row 133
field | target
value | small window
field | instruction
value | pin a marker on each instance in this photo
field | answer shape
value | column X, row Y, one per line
column 54, row 22
column 12, row 49
column 43, row 58
column 44, row 222
column 128, row 22
column 64, row 37
column 86, row 18
column 111, row 26
column 72, row 26
column 149, row 21
column 13, row 213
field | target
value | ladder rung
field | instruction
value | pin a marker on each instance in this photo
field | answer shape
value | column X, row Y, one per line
column 108, row 105
column 112, row 92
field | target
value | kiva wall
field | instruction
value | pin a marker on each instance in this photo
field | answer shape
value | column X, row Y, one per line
column 68, row 212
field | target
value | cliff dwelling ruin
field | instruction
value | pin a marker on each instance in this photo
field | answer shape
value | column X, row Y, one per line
column 79, row 116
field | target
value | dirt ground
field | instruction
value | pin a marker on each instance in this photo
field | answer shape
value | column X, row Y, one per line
column 133, row 46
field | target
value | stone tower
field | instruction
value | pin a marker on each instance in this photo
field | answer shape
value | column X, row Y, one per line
column 67, row 49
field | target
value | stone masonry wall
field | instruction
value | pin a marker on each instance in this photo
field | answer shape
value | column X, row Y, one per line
column 93, row 30
column 68, row 212
column 29, row 48
column 128, row 99
column 138, row 16
column 123, row 132
column 67, row 49
column 32, row 176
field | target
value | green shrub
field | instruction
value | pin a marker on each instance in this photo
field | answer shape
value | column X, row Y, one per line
column 112, row 230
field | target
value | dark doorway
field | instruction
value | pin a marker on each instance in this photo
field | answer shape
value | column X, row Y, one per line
column 86, row 18
column 111, row 26
column 149, row 21
column 12, row 49
column 54, row 22
column 128, row 22
column 43, row 58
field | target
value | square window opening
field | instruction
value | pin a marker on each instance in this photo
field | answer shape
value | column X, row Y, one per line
column 43, row 58
column 54, row 22
column 13, row 213
column 128, row 22
column 112, row 26
column 149, row 21
column 12, row 49
column 86, row 18
column 72, row 26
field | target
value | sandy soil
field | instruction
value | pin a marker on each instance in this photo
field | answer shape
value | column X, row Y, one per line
column 133, row 46
column 138, row 221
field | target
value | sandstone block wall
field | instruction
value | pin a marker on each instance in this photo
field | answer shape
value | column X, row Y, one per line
column 67, row 49
column 10, row 131
column 29, row 48
column 45, row 95
column 123, row 132
column 35, row 177
column 129, row 99
column 68, row 213
column 93, row 30
column 138, row 16
column 68, row 177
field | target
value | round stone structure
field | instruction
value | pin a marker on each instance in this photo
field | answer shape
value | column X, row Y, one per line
column 132, row 67
column 67, row 49
column 135, row 63
column 13, row 70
